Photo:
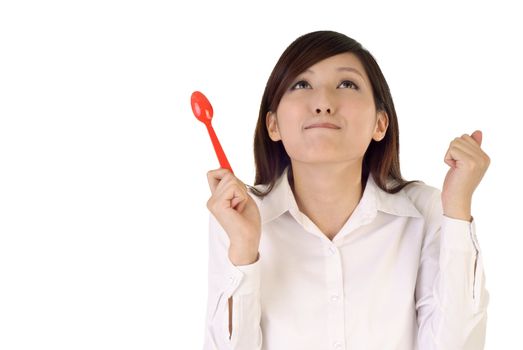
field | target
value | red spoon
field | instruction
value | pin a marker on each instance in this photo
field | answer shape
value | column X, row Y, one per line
column 202, row 109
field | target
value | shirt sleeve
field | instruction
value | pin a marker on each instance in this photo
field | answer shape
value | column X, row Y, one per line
column 226, row 280
column 451, row 297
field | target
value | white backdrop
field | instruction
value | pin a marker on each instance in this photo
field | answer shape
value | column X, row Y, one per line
column 103, row 223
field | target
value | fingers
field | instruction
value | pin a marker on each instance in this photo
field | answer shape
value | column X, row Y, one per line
column 474, row 139
column 227, row 190
column 215, row 176
column 466, row 147
column 456, row 148
column 449, row 160
column 477, row 136
column 239, row 203
column 456, row 154
column 231, row 189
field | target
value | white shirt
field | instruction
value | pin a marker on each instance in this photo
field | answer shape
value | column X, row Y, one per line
column 399, row 275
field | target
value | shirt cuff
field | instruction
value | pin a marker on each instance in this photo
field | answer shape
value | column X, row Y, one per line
column 244, row 279
column 459, row 235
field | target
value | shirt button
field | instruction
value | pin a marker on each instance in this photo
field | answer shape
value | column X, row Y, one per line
column 337, row 345
column 334, row 298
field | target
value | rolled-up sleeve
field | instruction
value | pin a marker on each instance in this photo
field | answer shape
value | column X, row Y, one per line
column 226, row 280
column 451, row 297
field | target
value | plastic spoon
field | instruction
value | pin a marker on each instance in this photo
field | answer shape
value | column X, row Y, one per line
column 202, row 110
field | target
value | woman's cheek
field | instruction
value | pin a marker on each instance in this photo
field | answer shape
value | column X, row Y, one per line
column 293, row 148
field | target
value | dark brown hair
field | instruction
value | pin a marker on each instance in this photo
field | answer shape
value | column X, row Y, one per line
column 381, row 158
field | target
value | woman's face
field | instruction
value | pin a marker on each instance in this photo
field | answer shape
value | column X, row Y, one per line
column 327, row 114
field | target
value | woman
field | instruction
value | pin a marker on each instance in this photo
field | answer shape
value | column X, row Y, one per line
column 332, row 248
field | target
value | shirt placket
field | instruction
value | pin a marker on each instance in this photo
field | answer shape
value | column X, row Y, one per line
column 335, row 295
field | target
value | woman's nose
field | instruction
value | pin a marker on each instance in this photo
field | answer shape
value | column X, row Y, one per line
column 319, row 110
column 323, row 101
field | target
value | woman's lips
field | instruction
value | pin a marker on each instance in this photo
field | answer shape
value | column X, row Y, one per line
column 322, row 125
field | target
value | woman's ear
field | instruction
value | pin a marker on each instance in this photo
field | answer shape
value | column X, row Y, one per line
column 382, row 123
column 272, row 126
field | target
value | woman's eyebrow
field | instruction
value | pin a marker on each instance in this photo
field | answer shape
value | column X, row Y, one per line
column 349, row 69
column 341, row 69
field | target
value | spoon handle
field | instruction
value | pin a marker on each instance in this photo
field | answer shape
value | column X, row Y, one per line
column 224, row 163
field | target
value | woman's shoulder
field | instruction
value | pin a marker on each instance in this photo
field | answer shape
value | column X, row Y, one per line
column 423, row 196
column 419, row 189
column 256, row 191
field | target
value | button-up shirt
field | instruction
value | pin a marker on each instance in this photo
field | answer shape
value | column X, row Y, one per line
column 399, row 275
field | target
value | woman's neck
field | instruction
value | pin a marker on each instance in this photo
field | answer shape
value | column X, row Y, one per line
column 327, row 193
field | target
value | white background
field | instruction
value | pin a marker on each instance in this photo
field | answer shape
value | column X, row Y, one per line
column 103, row 189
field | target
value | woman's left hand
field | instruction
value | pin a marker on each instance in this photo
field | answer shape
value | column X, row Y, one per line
column 468, row 163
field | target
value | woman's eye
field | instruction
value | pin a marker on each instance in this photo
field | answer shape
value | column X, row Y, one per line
column 348, row 83
column 302, row 84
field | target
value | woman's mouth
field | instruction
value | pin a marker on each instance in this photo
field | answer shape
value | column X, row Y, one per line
column 322, row 125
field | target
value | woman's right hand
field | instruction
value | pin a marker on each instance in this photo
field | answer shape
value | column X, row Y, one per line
column 237, row 213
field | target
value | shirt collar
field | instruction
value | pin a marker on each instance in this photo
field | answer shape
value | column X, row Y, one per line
column 281, row 199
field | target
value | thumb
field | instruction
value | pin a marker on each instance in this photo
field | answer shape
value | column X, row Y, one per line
column 477, row 136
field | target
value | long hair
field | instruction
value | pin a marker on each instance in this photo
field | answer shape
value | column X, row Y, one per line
column 381, row 159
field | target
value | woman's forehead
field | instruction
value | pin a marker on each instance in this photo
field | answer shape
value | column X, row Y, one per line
column 341, row 62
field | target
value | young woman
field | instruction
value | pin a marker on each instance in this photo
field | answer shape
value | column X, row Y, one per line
column 332, row 248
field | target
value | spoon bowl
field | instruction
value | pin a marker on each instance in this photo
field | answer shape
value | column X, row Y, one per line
column 201, row 107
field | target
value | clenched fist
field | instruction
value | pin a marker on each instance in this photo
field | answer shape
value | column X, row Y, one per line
column 237, row 213
column 468, row 164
